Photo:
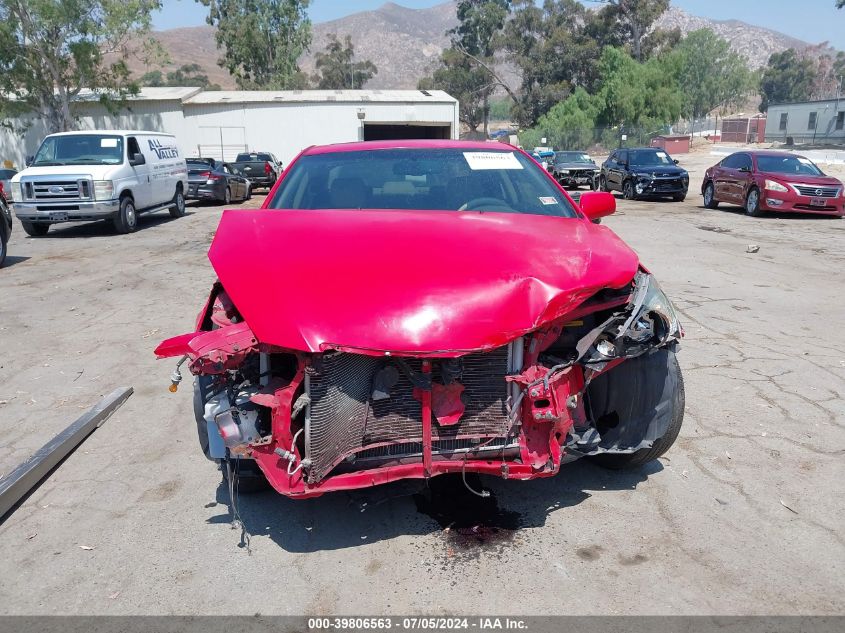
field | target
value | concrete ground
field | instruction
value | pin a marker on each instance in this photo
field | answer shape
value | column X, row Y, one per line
column 743, row 516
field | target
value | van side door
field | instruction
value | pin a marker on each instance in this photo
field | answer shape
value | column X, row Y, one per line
column 140, row 180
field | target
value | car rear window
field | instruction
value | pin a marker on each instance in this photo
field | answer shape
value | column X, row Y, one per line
column 248, row 158
column 422, row 179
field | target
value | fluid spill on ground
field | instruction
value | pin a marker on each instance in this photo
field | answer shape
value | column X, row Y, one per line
column 467, row 520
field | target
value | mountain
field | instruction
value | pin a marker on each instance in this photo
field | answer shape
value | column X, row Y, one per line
column 405, row 43
column 754, row 43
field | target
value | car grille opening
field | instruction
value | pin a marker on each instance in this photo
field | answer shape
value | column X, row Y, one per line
column 345, row 423
column 817, row 192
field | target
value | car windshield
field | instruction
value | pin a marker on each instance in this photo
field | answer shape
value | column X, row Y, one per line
column 788, row 165
column 80, row 149
column 649, row 157
column 247, row 158
column 572, row 157
column 422, row 179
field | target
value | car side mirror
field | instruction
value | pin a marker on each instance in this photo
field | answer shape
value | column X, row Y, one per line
column 137, row 159
column 676, row 161
column 29, row 160
column 744, row 170
column 597, row 204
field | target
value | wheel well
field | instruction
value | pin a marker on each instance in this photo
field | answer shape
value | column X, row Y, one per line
column 179, row 186
column 126, row 194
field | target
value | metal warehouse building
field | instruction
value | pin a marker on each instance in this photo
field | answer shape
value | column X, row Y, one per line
column 807, row 122
column 220, row 124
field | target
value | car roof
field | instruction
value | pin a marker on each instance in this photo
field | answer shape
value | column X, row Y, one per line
column 363, row 146
column 764, row 152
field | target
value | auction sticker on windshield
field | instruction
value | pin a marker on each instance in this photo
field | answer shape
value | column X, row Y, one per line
column 492, row 160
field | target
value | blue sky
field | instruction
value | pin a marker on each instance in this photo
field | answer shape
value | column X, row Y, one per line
column 810, row 20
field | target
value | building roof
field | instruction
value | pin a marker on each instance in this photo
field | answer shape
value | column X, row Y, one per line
column 800, row 103
column 148, row 94
column 320, row 96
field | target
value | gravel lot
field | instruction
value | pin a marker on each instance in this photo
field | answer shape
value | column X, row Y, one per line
column 743, row 516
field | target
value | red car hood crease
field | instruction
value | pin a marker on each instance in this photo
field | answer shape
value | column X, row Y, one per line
column 409, row 281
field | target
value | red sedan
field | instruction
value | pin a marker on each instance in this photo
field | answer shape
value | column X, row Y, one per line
column 763, row 181
column 410, row 309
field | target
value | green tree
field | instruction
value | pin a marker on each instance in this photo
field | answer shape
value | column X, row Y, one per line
column 337, row 68
column 787, row 77
column 571, row 123
column 51, row 50
column 467, row 67
column 466, row 81
column 709, row 74
column 262, row 40
column 637, row 95
column 185, row 75
column 553, row 53
column 629, row 24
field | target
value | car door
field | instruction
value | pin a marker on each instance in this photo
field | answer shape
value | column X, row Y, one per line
column 744, row 178
column 620, row 168
column 235, row 182
column 142, row 192
column 723, row 176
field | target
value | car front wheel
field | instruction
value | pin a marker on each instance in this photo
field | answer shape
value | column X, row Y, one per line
column 628, row 190
column 752, row 203
column 603, row 184
column 710, row 196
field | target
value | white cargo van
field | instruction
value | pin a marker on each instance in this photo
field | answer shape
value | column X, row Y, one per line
column 94, row 175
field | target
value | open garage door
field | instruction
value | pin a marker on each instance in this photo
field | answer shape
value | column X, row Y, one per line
column 398, row 132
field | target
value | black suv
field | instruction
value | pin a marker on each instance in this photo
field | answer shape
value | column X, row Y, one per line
column 644, row 172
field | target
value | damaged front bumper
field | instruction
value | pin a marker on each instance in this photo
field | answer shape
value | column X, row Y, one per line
column 595, row 381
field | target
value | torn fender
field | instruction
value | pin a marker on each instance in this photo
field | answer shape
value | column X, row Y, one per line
column 212, row 352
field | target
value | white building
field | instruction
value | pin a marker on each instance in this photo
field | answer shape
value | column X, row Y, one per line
column 220, row 124
column 819, row 122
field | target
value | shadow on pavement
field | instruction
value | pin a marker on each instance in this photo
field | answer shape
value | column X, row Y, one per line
column 341, row 520
column 104, row 228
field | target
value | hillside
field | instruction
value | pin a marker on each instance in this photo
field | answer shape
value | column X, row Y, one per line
column 405, row 43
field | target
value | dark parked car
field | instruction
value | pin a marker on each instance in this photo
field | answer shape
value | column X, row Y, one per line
column 573, row 169
column 262, row 168
column 772, row 181
column 210, row 179
column 644, row 172
column 5, row 223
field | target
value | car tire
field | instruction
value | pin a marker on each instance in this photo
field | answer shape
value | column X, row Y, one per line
column 593, row 185
column 178, row 208
column 35, row 229
column 248, row 194
column 661, row 445
column 752, row 203
column 603, row 184
column 710, row 196
column 3, row 248
column 628, row 191
column 227, row 196
column 126, row 219
column 679, row 197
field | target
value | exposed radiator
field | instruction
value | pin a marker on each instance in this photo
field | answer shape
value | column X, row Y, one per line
column 343, row 419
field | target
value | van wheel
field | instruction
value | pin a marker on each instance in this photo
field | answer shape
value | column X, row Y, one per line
column 126, row 219
column 35, row 229
column 178, row 208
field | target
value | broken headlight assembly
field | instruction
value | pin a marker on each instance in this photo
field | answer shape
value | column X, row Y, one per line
column 649, row 322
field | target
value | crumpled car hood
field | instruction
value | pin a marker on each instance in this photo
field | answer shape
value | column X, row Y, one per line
column 412, row 282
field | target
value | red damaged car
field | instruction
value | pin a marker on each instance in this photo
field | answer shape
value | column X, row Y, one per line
column 761, row 181
column 408, row 309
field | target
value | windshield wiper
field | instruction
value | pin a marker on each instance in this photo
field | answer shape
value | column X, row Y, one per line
column 47, row 163
column 85, row 161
